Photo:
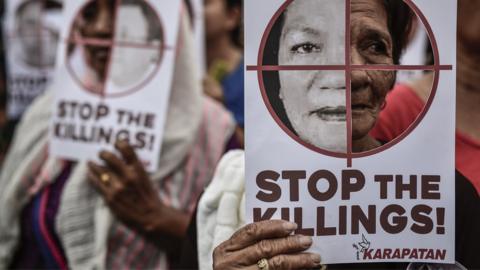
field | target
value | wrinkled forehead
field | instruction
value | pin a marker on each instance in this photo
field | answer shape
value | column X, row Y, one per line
column 315, row 14
column 374, row 9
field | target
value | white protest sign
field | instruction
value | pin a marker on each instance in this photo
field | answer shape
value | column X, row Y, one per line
column 114, row 77
column 198, row 24
column 32, row 29
column 317, row 75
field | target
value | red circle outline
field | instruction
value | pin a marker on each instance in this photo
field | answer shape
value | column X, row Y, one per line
column 379, row 149
column 140, row 84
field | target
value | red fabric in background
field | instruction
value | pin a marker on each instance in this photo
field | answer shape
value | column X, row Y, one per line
column 467, row 158
column 402, row 108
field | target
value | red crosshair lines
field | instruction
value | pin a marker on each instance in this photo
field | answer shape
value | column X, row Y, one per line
column 348, row 68
column 112, row 42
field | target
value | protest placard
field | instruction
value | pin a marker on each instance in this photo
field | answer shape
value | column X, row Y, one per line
column 114, row 77
column 31, row 37
column 318, row 72
column 198, row 25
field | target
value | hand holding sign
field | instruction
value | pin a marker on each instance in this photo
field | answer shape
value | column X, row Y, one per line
column 131, row 196
column 269, row 240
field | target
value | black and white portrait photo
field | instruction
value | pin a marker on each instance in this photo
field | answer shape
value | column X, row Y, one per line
column 311, row 103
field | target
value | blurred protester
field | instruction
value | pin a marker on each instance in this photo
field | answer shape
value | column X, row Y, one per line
column 37, row 30
column 52, row 215
column 32, row 47
column 224, row 81
column 33, row 34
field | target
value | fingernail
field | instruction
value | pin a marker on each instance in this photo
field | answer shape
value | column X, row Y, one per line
column 289, row 226
column 305, row 241
column 316, row 258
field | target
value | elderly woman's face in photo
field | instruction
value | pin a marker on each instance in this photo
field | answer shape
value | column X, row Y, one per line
column 98, row 24
column 371, row 44
column 313, row 33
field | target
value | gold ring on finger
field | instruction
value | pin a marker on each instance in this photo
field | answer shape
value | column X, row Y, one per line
column 105, row 178
column 263, row 264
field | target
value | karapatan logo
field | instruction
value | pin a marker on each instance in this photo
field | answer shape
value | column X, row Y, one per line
column 361, row 247
column 365, row 252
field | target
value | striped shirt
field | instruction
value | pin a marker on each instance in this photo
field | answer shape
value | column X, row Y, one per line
column 180, row 189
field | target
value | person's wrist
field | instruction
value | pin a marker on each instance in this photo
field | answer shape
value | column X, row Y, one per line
column 160, row 228
column 166, row 221
column 154, row 220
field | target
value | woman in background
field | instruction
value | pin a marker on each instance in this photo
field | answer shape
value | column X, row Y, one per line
column 224, row 81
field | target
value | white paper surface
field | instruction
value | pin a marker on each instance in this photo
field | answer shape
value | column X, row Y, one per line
column 105, row 92
column 199, row 33
column 272, row 155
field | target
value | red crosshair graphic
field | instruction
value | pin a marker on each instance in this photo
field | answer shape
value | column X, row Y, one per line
column 111, row 42
column 348, row 68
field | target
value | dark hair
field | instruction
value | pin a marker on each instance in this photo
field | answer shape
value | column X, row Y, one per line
column 236, row 34
column 399, row 17
column 399, row 25
column 271, row 79
column 429, row 58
